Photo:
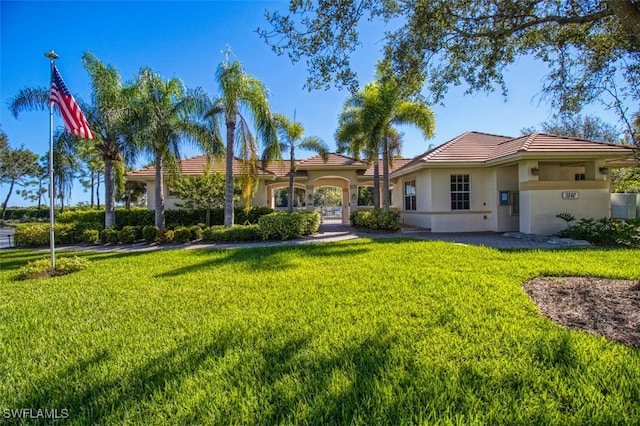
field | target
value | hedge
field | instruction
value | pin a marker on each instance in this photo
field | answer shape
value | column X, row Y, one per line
column 235, row 233
column 376, row 219
column 286, row 226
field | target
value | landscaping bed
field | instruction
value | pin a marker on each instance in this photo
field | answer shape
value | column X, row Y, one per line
column 605, row 307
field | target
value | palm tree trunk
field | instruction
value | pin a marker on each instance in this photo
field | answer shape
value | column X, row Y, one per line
column 110, row 196
column 159, row 201
column 292, row 172
column 228, row 183
column 93, row 185
column 385, row 175
column 376, row 185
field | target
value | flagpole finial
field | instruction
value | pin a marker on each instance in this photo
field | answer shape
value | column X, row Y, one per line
column 51, row 55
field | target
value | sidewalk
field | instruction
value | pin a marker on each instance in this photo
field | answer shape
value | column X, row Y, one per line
column 328, row 234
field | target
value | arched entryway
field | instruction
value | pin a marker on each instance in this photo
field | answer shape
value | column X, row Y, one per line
column 329, row 195
column 327, row 200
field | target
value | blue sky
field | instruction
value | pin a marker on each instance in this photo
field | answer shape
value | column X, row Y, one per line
column 187, row 39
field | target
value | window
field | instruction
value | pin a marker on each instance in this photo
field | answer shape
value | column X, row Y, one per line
column 410, row 195
column 515, row 203
column 460, row 199
column 365, row 195
column 581, row 176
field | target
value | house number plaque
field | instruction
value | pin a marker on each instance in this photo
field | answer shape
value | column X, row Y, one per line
column 570, row 195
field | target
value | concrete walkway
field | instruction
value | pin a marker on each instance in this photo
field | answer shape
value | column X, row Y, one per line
column 328, row 234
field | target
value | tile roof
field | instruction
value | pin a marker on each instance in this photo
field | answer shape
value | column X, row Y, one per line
column 333, row 161
column 194, row 166
column 542, row 142
column 481, row 148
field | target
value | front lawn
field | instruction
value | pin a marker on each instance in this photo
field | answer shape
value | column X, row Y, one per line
column 359, row 332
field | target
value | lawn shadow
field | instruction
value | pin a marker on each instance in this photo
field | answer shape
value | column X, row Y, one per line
column 275, row 258
column 333, row 387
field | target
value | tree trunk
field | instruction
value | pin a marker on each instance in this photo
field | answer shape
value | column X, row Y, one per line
column 628, row 13
column 376, row 185
column 292, row 172
column 6, row 200
column 110, row 196
column 228, row 179
column 159, row 201
column 98, row 193
column 385, row 175
column 93, row 185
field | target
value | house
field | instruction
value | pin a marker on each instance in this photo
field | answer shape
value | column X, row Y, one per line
column 474, row 182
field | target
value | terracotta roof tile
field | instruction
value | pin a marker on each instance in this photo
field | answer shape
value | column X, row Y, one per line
column 194, row 166
column 333, row 160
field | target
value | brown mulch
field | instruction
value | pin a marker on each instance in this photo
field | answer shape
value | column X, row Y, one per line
column 602, row 306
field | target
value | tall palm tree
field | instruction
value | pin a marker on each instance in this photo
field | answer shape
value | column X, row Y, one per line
column 241, row 94
column 105, row 116
column 376, row 110
column 163, row 115
column 290, row 137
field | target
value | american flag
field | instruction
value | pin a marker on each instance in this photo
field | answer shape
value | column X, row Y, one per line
column 74, row 120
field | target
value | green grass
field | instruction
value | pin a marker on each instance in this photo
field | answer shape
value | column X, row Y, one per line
column 360, row 332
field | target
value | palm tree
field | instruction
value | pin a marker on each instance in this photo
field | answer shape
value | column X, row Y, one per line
column 163, row 115
column 243, row 93
column 374, row 112
column 105, row 116
column 290, row 136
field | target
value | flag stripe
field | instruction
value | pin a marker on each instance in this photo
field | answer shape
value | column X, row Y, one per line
column 72, row 117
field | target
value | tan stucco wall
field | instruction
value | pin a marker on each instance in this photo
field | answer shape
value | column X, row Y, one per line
column 541, row 202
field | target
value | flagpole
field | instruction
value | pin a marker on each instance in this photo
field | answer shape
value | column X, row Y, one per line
column 52, row 57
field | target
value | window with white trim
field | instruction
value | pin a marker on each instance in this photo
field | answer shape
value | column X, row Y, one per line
column 460, row 192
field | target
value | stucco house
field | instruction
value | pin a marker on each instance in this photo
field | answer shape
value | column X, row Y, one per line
column 474, row 182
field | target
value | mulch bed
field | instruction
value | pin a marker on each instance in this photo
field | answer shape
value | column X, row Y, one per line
column 602, row 306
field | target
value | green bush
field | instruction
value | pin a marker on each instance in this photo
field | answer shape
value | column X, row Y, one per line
column 250, row 217
column 91, row 236
column 235, row 233
column 376, row 219
column 151, row 233
column 196, row 233
column 42, row 268
column 26, row 213
column 70, row 216
column 167, row 236
column 129, row 234
column 182, row 234
column 110, row 235
column 37, row 234
column 282, row 226
column 605, row 231
column 312, row 222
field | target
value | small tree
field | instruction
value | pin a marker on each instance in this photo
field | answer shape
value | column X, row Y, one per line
column 205, row 191
column 16, row 167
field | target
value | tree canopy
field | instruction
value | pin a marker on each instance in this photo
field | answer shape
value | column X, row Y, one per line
column 592, row 47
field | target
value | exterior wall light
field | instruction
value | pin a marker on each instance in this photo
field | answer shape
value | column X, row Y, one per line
column 353, row 197
column 604, row 170
column 535, row 171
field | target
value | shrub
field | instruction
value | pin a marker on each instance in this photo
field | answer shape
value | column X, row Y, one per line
column 129, row 234
column 151, row 233
column 42, row 268
column 250, row 217
column 70, row 216
column 196, row 233
column 605, row 231
column 311, row 222
column 282, row 226
column 235, row 233
column 91, row 236
column 167, row 236
column 182, row 234
column 37, row 234
column 31, row 235
column 376, row 219
column 110, row 235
